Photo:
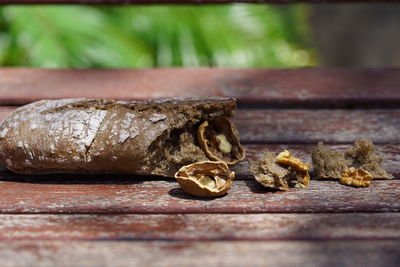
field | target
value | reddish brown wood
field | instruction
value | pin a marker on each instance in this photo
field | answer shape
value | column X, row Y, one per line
column 311, row 126
column 267, row 253
column 202, row 226
column 5, row 111
column 300, row 87
column 60, row 194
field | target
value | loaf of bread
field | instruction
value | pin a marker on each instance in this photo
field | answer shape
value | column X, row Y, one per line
column 153, row 137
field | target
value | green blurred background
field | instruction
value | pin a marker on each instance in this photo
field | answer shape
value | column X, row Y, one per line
column 238, row 35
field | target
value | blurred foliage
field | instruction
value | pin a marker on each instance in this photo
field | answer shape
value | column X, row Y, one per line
column 238, row 35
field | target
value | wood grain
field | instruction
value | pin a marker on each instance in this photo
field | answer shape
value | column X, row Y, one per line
column 149, row 211
column 205, row 227
column 5, row 111
column 300, row 87
column 268, row 253
column 310, row 126
column 127, row 195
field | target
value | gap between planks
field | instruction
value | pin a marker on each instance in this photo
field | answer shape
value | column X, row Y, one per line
column 202, row 227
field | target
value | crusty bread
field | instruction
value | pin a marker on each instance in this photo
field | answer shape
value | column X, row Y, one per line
column 156, row 136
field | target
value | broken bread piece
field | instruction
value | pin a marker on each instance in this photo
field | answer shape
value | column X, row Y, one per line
column 151, row 137
column 332, row 164
column 362, row 156
column 280, row 172
column 270, row 174
column 328, row 163
column 205, row 179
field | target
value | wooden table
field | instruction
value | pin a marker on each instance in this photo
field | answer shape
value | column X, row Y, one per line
column 109, row 220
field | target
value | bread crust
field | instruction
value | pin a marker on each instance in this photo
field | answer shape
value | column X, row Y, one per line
column 154, row 137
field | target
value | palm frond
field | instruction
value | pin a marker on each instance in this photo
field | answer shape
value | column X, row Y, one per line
column 238, row 35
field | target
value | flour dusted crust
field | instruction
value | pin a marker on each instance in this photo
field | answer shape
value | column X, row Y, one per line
column 156, row 136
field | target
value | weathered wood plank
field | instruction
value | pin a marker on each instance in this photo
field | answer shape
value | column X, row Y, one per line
column 203, row 227
column 59, row 194
column 241, row 253
column 5, row 111
column 300, row 87
column 311, row 126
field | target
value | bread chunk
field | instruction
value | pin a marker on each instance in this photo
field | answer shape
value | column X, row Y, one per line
column 328, row 163
column 362, row 156
column 268, row 172
column 152, row 137
column 332, row 164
